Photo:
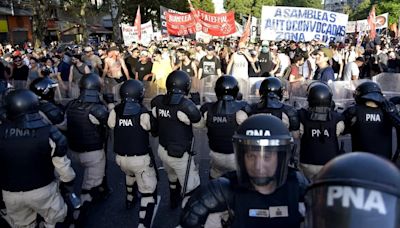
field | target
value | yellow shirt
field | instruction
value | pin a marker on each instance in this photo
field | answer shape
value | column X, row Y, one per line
column 161, row 69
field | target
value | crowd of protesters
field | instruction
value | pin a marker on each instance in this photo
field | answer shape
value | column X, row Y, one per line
column 294, row 61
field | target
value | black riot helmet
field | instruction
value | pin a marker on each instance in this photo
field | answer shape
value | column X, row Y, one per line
column 355, row 190
column 226, row 85
column 178, row 85
column 20, row 102
column 132, row 90
column 90, row 81
column 319, row 94
column 44, row 88
column 262, row 145
column 368, row 91
column 271, row 85
column 178, row 81
column 90, row 86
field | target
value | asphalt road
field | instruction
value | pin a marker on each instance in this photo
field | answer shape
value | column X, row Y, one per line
column 112, row 212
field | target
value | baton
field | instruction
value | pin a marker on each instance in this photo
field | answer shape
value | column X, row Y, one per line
column 187, row 170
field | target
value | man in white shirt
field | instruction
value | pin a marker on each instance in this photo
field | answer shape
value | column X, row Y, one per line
column 351, row 70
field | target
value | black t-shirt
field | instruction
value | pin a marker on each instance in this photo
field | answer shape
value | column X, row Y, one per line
column 20, row 73
column 131, row 64
column 266, row 63
column 209, row 66
column 2, row 71
column 143, row 69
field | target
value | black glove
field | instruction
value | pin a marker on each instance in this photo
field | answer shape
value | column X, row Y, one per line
column 108, row 98
column 388, row 107
column 195, row 97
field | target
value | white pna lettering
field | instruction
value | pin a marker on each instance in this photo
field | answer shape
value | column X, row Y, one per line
column 358, row 198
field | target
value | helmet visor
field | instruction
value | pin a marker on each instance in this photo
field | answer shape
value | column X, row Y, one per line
column 262, row 165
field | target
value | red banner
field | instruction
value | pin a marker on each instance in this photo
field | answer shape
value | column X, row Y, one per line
column 180, row 24
column 213, row 24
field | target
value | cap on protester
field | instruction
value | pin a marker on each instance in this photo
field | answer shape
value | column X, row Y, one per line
column 328, row 52
column 88, row 49
column 210, row 48
column 265, row 43
column 144, row 53
column 113, row 48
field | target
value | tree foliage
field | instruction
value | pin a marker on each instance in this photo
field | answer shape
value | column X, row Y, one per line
column 301, row 3
column 382, row 6
column 245, row 7
column 205, row 5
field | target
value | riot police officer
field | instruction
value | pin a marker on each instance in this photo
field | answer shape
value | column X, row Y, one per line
column 3, row 89
column 44, row 88
column 30, row 151
column 86, row 122
column 320, row 127
column 131, row 122
column 175, row 115
column 264, row 191
column 352, row 197
column 222, row 118
column 271, row 92
column 370, row 120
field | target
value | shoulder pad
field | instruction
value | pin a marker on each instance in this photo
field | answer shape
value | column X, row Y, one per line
column 294, row 122
column 100, row 112
column 205, row 107
column 52, row 112
column 303, row 182
column 190, row 109
column 60, row 141
column 245, row 107
column 350, row 112
column 156, row 100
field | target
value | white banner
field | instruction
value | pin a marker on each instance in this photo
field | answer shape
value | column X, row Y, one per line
column 302, row 24
column 381, row 22
column 129, row 33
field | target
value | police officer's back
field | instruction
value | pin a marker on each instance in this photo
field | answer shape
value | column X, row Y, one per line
column 44, row 88
column 263, row 192
column 131, row 122
column 368, row 123
column 175, row 115
column 30, row 151
column 320, row 127
column 271, row 92
column 86, row 122
column 222, row 118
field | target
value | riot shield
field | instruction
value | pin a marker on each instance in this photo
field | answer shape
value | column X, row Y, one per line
column 207, row 85
column 297, row 92
column 389, row 83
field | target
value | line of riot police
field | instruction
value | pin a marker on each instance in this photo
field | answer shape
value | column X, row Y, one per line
column 255, row 180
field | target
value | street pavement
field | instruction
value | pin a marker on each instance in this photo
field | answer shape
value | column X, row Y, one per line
column 112, row 212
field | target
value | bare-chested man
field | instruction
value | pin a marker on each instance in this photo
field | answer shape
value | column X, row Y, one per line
column 114, row 65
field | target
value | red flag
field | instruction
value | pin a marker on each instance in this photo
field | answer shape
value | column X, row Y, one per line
column 246, row 33
column 371, row 22
column 138, row 24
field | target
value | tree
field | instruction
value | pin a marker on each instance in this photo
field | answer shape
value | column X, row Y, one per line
column 301, row 3
column 384, row 6
column 205, row 5
column 246, row 7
